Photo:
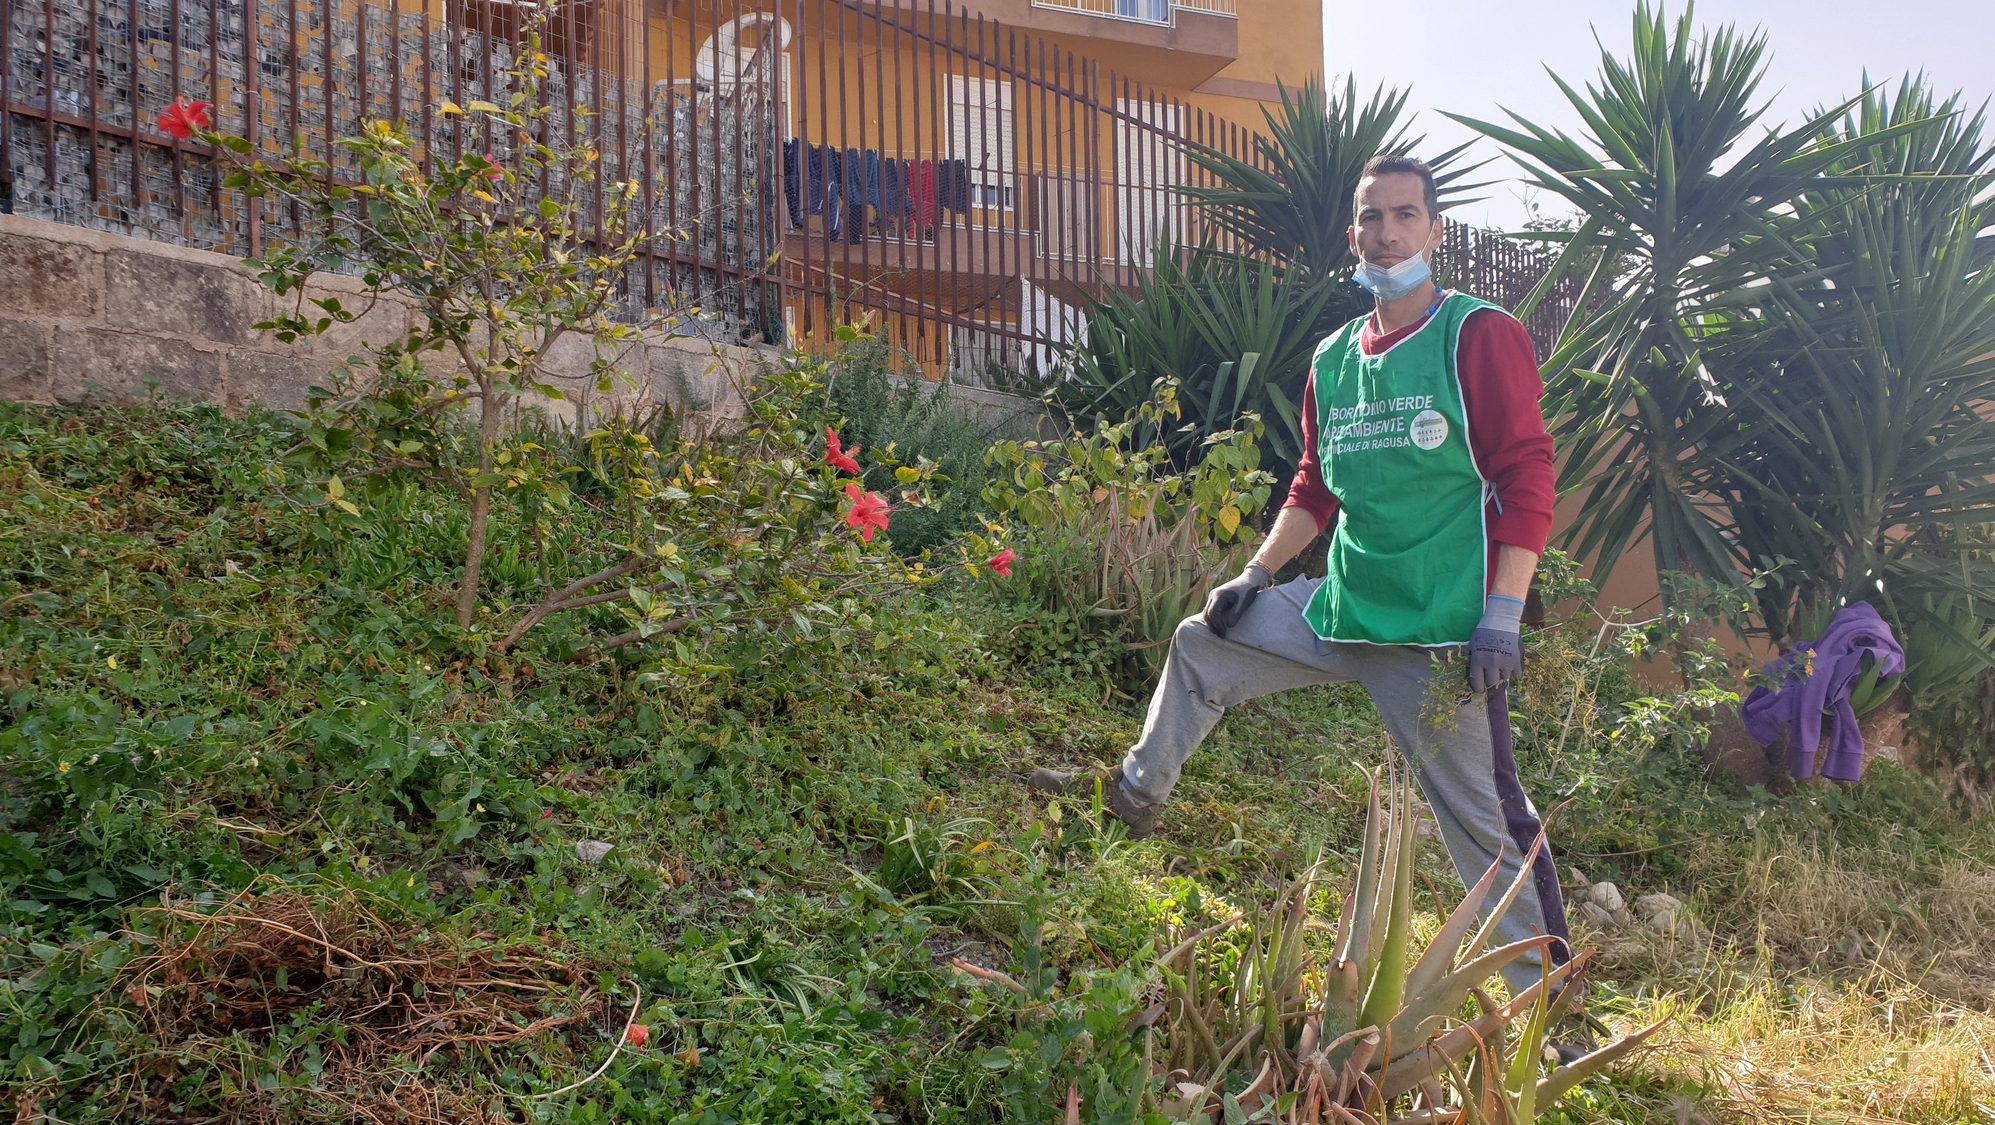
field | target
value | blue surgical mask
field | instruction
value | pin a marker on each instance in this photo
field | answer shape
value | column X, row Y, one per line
column 1390, row 283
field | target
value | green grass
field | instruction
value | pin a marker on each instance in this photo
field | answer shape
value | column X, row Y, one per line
column 218, row 699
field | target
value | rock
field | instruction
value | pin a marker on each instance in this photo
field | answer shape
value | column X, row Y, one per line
column 592, row 851
column 1622, row 917
column 1663, row 913
column 1606, row 896
column 1574, row 877
column 1593, row 915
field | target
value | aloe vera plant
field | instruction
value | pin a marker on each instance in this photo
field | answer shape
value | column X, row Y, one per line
column 1261, row 1026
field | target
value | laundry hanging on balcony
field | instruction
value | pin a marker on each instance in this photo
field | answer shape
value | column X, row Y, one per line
column 862, row 189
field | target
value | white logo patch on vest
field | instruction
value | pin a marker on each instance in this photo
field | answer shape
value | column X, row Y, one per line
column 1429, row 429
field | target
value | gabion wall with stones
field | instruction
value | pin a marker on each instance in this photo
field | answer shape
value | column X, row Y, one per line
column 348, row 63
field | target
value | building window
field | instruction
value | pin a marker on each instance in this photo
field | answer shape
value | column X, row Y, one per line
column 980, row 135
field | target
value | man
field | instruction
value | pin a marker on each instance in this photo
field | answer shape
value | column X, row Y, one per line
column 1426, row 458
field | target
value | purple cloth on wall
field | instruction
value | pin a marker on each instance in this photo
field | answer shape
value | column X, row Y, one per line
column 1815, row 678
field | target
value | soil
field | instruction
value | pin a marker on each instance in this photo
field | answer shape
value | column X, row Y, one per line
column 1731, row 752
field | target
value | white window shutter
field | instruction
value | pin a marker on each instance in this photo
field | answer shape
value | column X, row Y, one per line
column 980, row 135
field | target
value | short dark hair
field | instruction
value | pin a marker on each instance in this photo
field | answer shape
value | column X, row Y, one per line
column 1384, row 165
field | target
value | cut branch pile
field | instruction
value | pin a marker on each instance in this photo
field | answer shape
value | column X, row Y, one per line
column 222, row 979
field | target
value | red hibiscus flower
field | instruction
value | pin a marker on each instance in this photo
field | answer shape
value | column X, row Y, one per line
column 183, row 117
column 1000, row 563
column 492, row 170
column 868, row 513
column 639, row 1035
column 835, row 456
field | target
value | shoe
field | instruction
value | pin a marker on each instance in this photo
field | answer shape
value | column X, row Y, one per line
column 1140, row 819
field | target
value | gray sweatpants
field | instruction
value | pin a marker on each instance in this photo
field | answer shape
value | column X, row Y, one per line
column 1459, row 750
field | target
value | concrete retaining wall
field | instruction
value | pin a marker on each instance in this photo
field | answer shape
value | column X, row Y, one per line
column 112, row 318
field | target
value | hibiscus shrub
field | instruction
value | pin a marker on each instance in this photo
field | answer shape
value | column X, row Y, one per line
column 741, row 541
column 510, row 254
column 757, row 540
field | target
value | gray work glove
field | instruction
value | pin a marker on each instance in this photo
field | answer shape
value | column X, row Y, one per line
column 1227, row 604
column 1496, row 651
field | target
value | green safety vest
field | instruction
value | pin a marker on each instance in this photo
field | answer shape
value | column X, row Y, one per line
column 1409, row 559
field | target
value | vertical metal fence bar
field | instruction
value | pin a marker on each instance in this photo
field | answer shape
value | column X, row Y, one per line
column 667, row 118
column 7, row 104
column 327, row 33
column 179, row 171
column 252, row 101
column 454, row 24
column 647, row 246
column 928, row 199
column 702, row 203
column 220, row 99
column 395, row 65
column 1012, row 244
column 958, row 232
column 137, row 107
column 898, row 274
column 799, row 228
column 844, row 204
column 1046, row 70
column 1059, row 257
column 598, row 119
column 90, row 91
column 819, row 233
column 426, row 98
column 986, row 188
column 1090, row 246
column 732, row 198
column 48, row 91
column 1071, row 94
column 855, row 216
column 292, row 65
column 363, row 107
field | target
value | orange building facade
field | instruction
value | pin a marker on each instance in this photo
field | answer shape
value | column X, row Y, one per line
column 963, row 177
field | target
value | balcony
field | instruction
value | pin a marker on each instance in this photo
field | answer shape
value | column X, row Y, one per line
column 1173, row 43
column 1162, row 12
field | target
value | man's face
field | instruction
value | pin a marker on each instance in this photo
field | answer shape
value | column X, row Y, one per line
column 1392, row 223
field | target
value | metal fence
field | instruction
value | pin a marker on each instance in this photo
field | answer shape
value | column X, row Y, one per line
column 1503, row 270
column 964, row 186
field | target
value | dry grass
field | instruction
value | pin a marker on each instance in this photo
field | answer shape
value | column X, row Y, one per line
column 225, row 980
column 1825, row 983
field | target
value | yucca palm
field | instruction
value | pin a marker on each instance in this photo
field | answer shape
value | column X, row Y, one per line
column 1290, row 201
column 1675, row 175
column 1864, row 394
column 1232, row 330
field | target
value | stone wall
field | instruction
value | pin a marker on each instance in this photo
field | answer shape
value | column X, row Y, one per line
column 112, row 318
column 87, row 314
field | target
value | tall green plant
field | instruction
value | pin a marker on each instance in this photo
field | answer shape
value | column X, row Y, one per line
column 1678, row 178
column 1861, row 394
column 1236, row 333
column 1290, row 201
column 1147, row 538
column 1265, row 1023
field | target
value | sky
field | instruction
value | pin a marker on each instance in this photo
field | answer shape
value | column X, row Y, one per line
column 1481, row 57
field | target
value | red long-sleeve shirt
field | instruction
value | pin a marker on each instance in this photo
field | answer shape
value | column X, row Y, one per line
column 1501, row 390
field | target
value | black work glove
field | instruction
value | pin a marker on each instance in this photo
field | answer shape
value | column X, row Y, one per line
column 1227, row 604
column 1496, row 650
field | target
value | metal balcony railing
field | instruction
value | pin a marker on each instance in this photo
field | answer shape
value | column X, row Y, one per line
column 1161, row 12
